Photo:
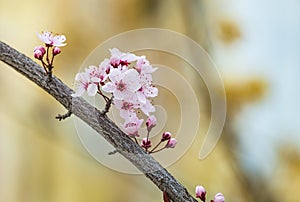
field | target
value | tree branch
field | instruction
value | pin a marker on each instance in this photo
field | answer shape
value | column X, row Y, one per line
column 98, row 121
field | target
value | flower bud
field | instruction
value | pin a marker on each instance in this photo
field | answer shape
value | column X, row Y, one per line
column 171, row 143
column 38, row 54
column 56, row 51
column 146, row 143
column 200, row 193
column 166, row 136
column 150, row 122
column 41, row 48
column 219, row 197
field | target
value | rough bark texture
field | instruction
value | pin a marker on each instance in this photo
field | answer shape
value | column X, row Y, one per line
column 100, row 123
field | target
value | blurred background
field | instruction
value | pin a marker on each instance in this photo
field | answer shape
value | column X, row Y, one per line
column 255, row 45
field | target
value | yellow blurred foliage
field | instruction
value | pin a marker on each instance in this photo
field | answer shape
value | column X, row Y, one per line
column 228, row 31
column 240, row 92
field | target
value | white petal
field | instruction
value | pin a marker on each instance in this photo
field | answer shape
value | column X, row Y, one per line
column 130, row 57
column 118, row 94
column 115, row 75
column 104, row 64
column 79, row 91
column 151, row 91
column 118, row 103
column 95, row 79
column 109, row 87
column 141, row 97
column 148, row 69
column 115, row 52
column 125, row 114
column 58, row 40
column 147, row 108
column 82, row 77
column 132, row 80
column 92, row 89
column 77, row 77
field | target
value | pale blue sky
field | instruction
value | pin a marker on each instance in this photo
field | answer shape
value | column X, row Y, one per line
column 269, row 48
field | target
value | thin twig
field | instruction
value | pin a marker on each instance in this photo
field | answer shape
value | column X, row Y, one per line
column 64, row 116
column 113, row 152
column 107, row 106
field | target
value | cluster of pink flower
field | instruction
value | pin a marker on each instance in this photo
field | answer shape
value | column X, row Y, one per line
column 52, row 44
column 129, row 79
column 201, row 194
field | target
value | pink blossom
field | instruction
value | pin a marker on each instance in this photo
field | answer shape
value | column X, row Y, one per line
column 147, row 89
column 151, row 122
column 122, row 84
column 166, row 136
column 150, row 91
column 119, row 59
column 132, row 125
column 52, row 40
column 145, row 92
column 97, row 74
column 89, row 81
column 146, row 143
column 147, row 108
column 200, row 193
column 171, row 143
column 126, row 108
column 143, row 66
column 128, row 78
column 105, row 66
column 84, row 84
column 219, row 197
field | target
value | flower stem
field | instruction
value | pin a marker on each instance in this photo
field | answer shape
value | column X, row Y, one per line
column 47, row 55
column 107, row 99
column 152, row 151
column 51, row 63
column 136, row 140
column 44, row 65
column 148, row 131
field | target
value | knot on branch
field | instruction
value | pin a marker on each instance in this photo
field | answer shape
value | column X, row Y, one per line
column 64, row 116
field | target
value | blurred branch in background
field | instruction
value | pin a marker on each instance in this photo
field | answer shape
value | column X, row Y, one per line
column 238, row 93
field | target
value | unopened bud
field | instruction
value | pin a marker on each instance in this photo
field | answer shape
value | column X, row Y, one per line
column 166, row 136
column 150, row 122
column 146, row 143
column 219, row 197
column 56, row 51
column 200, row 193
column 38, row 54
column 171, row 143
column 41, row 48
